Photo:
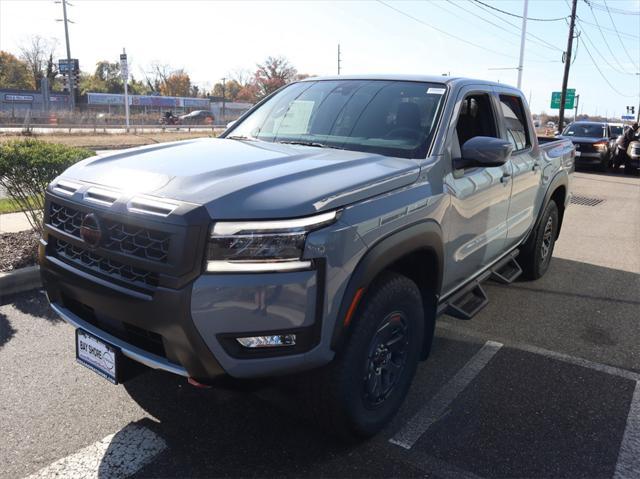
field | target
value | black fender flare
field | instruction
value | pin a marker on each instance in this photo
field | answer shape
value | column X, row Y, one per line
column 423, row 236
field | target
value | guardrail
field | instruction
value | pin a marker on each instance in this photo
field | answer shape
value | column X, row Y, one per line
column 106, row 128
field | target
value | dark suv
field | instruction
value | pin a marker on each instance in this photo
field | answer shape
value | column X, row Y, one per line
column 593, row 141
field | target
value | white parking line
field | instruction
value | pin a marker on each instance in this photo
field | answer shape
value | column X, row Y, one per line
column 438, row 405
column 604, row 368
column 117, row 455
column 628, row 465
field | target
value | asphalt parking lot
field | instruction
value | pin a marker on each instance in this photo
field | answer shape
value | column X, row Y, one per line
column 542, row 383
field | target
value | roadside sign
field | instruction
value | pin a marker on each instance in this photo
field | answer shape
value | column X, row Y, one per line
column 569, row 101
column 124, row 67
column 65, row 65
column 124, row 70
column 628, row 117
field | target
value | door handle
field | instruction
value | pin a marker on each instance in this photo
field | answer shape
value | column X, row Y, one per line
column 505, row 178
column 536, row 166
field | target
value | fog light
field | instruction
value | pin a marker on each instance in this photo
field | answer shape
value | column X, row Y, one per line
column 268, row 341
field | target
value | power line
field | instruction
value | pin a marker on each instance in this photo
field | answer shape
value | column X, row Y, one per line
column 541, row 40
column 613, row 24
column 626, row 34
column 520, row 16
column 415, row 19
column 615, row 57
column 604, row 58
column 479, row 17
column 595, row 64
column 620, row 11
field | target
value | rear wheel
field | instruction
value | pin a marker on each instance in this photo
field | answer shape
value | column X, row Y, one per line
column 537, row 252
column 365, row 385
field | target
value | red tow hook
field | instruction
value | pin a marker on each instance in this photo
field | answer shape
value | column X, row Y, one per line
column 197, row 384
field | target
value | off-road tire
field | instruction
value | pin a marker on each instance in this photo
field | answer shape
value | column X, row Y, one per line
column 337, row 393
column 536, row 254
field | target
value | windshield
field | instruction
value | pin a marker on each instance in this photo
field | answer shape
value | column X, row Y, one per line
column 615, row 130
column 586, row 130
column 393, row 118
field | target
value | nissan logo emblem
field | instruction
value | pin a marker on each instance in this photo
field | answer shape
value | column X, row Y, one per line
column 91, row 230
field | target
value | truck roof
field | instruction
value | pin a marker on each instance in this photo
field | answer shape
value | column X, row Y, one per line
column 447, row 80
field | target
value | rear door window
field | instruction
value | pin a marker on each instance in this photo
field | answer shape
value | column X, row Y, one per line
column 515, row 122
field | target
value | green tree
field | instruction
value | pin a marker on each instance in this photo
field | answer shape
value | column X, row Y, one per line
column 14, row 73
column 231, row 90
column 176, row 83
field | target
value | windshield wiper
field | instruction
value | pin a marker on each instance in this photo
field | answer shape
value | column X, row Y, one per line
column 240, row 137
column 309, row 143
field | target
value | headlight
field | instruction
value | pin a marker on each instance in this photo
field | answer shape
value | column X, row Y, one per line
column 259, row 246
column 600, row 146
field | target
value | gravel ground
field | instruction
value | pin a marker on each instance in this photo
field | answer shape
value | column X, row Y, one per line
column 18, row 250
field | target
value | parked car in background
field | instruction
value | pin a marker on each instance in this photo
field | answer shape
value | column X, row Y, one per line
column 593, row 143
column 197, row 117
column 320, row 236
column 632, row 165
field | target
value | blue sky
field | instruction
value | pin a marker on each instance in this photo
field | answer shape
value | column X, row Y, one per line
column 210, row 39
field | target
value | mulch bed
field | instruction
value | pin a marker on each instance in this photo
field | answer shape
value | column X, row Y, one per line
column 18, row 250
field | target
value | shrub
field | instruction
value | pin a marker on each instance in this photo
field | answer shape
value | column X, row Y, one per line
column 28, row 166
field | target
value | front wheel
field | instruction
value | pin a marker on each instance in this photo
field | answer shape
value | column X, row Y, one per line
column 536, row 254
column 365, row 385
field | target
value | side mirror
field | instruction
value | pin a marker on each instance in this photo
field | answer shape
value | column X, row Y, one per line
column 484, row 151
column 231, row 123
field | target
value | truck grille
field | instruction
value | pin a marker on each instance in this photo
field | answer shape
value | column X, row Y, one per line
column 99, row 264
column 122, row 238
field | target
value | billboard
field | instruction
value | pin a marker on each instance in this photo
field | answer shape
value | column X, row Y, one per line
column 105, row 99
column 147, row 100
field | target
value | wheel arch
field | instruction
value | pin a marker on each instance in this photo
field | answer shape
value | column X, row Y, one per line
column 416, row 252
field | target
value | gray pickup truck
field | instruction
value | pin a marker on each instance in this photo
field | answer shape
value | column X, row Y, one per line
column 321, row 235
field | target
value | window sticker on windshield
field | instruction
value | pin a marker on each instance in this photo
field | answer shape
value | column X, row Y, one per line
column 436, row 91
column 296, row 120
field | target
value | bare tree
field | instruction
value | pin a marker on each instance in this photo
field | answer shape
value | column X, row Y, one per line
column 38, row 54
column 242, row 76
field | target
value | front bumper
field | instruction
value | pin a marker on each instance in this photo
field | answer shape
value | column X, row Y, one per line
column 589, row 158
column 155, row 330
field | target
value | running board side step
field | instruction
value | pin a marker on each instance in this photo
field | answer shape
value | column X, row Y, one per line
column 472, row 298
column 507, row 271
column 467, row 302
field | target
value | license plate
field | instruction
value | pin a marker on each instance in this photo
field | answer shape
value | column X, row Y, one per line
column 577, row 153
column 95, row 354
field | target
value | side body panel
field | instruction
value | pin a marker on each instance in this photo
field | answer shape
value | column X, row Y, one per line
column 526, row 177
column 475, row 226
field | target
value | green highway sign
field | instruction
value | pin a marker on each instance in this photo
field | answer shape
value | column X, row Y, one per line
column 568, row 100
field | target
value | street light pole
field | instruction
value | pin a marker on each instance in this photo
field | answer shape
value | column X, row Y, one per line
column 70, row 70
column 522, row 42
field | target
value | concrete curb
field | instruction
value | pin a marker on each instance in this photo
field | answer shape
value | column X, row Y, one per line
column 20, row 280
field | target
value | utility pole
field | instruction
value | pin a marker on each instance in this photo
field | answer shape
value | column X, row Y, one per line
column 338, row 59
column 223, row 99
column 567, row 63
column 71, row 72
column 575, row 113
column 522, row 42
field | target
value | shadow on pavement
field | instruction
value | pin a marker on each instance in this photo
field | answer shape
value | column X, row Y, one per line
column 34, row 303
column 219, row 432
column 6, row 331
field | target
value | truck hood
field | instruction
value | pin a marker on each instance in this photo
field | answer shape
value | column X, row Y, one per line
column 248, row 179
